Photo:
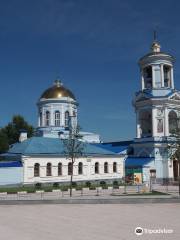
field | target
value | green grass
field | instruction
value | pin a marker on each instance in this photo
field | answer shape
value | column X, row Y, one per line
column 49, row 188
column 29, row 189
column 142, row 194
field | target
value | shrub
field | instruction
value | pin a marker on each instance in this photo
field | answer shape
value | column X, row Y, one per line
column 92, row 188
column 115, row 183
column 38, row 185
column 103, row 183
column 74, row 184
column 88, row 184
column 78, row 187
column 64, row 188
column 55, row 185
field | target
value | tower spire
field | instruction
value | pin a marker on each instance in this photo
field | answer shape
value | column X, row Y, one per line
column 155, row 47
column 155, row 36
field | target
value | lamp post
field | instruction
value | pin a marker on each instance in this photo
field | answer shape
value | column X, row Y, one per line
column 124, row 169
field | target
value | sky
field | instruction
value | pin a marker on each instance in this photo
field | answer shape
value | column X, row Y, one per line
column 93, row 46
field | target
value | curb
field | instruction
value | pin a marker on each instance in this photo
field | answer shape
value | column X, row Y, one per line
column 93, row 201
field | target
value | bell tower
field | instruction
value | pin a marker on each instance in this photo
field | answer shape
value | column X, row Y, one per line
column 156, row 69
column 153, row 102
column 157, row 108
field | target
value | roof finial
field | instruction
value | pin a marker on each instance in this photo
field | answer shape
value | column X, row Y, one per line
column 155, row 35
column 155, row 47
column 58, row 82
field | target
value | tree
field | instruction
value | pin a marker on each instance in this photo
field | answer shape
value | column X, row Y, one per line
column 174, row 151
column 4, row 146
column 10, row 133
column 13, row 129
column 73, row 147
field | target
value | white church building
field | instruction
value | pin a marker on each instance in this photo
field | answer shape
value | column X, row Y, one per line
column 157, row 107
column 42, row 159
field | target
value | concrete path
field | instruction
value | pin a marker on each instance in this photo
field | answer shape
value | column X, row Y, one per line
column 88, row 222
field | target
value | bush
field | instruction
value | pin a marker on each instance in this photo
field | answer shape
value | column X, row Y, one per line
column 78, row 187
column 64, row 188
column 38, row 185
column 55, row 185
column 88, row 184
column 103, row 183
column 92, row 188
column 74, row 184
column 115, row 183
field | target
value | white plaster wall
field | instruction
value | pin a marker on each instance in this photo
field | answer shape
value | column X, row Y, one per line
column 88, row 169
column 53, row 106
column 11, row 175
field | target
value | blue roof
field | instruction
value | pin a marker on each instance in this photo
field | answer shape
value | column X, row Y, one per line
column 116, row 147
column 5, row 164
column 138, row 161
column 43, row 145
column 157, row 93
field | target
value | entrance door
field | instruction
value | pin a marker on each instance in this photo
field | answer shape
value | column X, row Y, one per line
column 175, row 170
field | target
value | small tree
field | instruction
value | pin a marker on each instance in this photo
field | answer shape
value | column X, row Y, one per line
column 10, row 133
column 4, row 146
column 12, row 130
column 174, row 151
column 73, row 147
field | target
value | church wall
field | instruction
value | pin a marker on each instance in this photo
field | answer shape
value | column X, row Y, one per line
column 88, row 169
column 52, row 107
column 15, row 175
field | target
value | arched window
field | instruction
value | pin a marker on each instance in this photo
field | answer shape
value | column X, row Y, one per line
column 96, row 167
column 146, row 123
column 80, row 168
column 36, row 170
column 70, row 170
column 105, row 167
column 147, row 75
column 40, row 119
column 173, row 122
column 74, row 113
column 66, row 119
column 57, row 118
column 114, row 167
column 175, row 170
column 167, row 76
column 153, row 173
column 49, row 169
column 47, row 118
column 59, row 169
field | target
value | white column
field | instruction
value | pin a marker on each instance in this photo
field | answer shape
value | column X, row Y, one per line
column 39, row 124
column 154, row 124
column 62, row 117
column 166, row 122
column 142, row 80
column 142, row 83
column 51, row 116
column 172, row 78
column 43, row 117
column 138, row 127
column 153, row 76
column 162, row 75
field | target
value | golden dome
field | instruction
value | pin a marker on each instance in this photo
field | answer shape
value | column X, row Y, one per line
column 57, row 91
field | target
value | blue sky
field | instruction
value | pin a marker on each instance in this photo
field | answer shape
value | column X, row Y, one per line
column 93, row 45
